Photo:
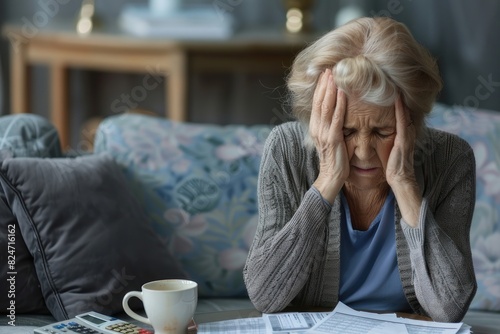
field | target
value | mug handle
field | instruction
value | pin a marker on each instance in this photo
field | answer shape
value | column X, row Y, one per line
column 127, row 309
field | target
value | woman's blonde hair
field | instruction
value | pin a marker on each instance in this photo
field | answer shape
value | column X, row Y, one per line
column 373, row 60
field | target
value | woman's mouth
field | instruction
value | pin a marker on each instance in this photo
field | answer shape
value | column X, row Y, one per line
column 365, row 170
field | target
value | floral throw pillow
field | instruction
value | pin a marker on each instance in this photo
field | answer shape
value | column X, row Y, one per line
column 198, row 184
column 480, row 128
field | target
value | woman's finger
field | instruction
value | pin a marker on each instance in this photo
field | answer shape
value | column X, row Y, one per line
column 319, row 93
column 339, row 114
column 329, row 100
column 403, row 118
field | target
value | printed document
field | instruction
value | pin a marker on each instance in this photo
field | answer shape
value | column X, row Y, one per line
column 342, row 320
column 282, row 323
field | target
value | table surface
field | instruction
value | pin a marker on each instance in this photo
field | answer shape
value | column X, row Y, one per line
column 110, row 35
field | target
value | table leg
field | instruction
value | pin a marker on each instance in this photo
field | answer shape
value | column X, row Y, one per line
column 19, row 78
column 176, row 87
column 59, row 100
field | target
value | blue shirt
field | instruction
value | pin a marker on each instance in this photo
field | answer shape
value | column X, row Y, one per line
column 369, row 275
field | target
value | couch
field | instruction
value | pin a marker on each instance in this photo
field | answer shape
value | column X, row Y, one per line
column 161, row 199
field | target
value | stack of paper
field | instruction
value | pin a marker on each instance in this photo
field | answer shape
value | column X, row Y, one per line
column 342, row 320
column 198, row 22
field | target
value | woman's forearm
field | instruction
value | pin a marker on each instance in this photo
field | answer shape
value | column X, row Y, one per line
column 442, row 275
column 409, row 202
column 280, row 261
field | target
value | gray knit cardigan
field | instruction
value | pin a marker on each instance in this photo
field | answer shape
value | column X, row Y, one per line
column 295, row 255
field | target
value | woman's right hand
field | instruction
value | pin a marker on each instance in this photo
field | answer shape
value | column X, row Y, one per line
column 326, row 130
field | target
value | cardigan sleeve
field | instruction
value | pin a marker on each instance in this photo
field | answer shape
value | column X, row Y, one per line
column 291, row 229
column 440, row 254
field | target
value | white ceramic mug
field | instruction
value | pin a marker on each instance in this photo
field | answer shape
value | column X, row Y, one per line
column 169, row 304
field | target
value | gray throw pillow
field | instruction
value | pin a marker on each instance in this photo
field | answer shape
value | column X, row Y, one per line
column 21, row 135
column 20, row 289
column 88, row 235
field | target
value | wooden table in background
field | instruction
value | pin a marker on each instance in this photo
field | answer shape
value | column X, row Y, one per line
column 59, row 47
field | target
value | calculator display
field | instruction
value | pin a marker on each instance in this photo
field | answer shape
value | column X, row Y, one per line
column 92, row 319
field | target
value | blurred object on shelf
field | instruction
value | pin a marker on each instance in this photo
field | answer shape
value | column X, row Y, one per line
column 349, row 10
column 164, row 7
column 298, row 15
column 86, row 18
column 194, row 22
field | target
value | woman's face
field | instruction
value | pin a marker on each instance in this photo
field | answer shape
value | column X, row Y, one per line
column 369, row 133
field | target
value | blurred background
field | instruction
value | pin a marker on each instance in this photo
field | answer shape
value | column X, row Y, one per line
column 461, row 34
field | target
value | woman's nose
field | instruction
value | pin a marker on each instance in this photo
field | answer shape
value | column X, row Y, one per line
column 364, row 148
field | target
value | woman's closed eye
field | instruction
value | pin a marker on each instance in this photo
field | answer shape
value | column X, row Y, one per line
column 348, row 132
column 384, row 134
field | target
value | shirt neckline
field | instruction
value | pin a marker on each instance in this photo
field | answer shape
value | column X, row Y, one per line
column 375, row 222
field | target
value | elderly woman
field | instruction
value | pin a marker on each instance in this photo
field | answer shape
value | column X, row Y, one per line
column 359, row 201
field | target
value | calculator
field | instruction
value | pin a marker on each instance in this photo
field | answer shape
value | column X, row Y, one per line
column 92, row 323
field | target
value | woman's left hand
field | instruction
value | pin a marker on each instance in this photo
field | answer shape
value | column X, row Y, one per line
column 400, row 173
column 399, row 169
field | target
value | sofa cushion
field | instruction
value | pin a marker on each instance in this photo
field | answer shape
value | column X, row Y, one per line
column 23, row 135
column 480, row 128
column 27, row 135
column 198, row 184
column 86, row 232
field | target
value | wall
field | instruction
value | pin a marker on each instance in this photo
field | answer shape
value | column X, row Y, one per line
column 463, row 35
